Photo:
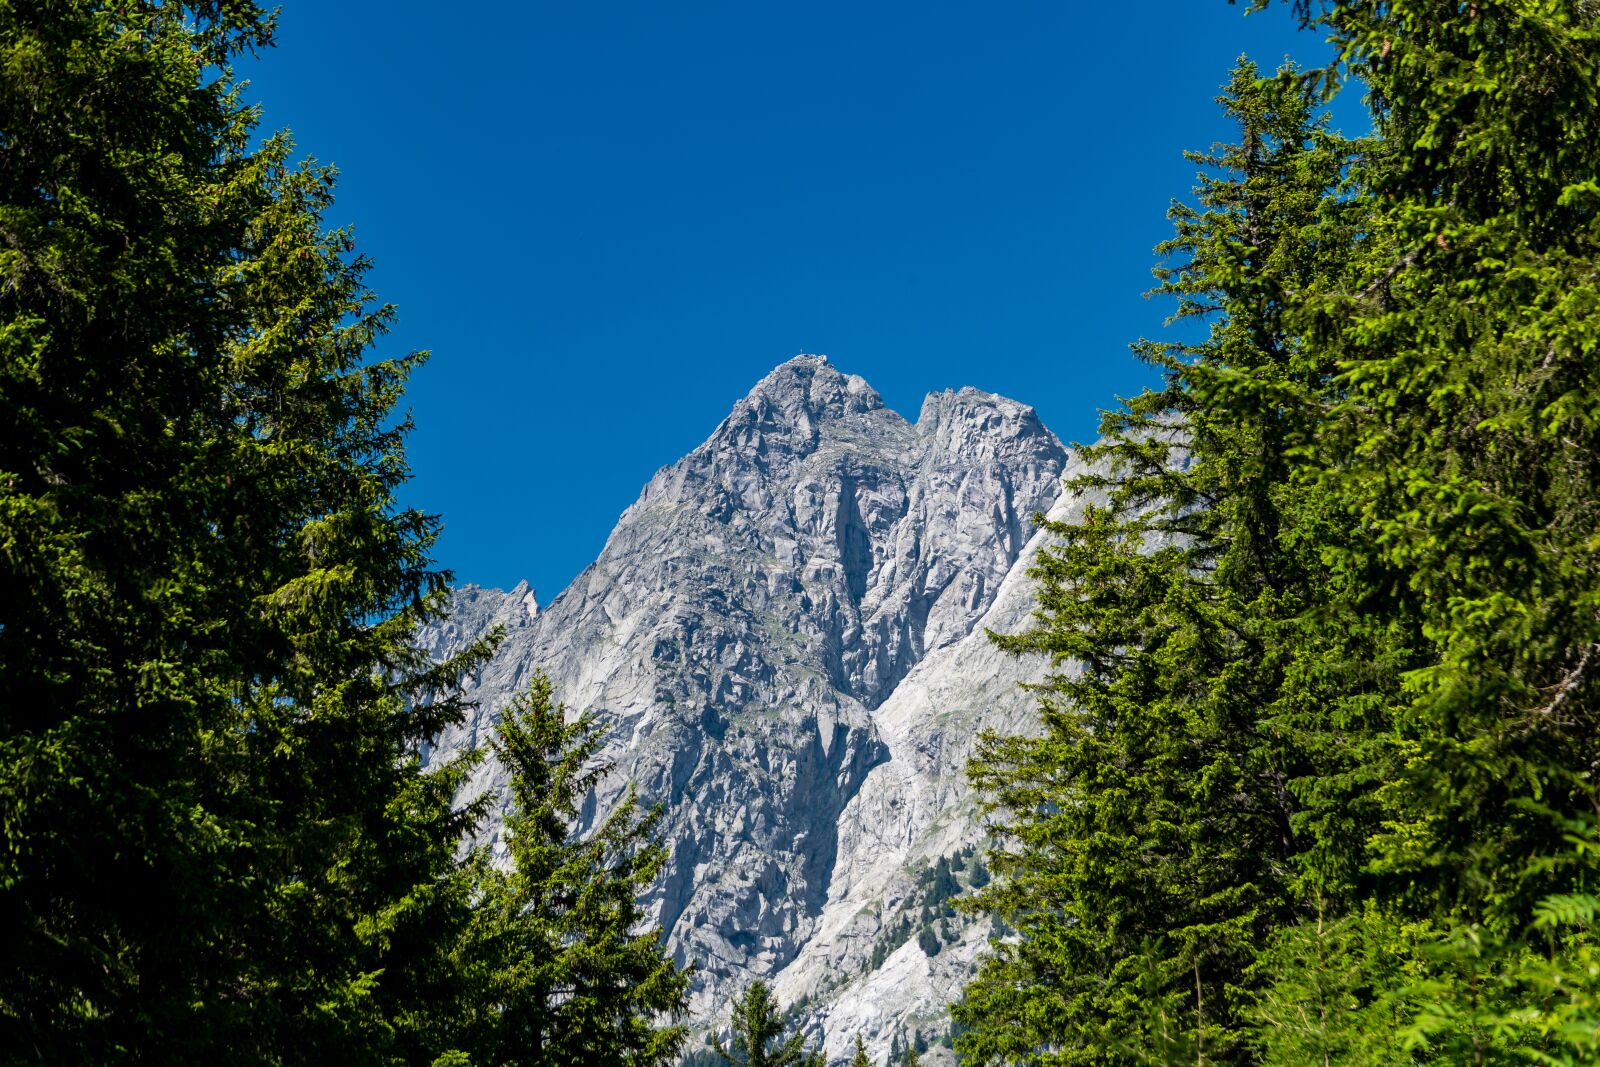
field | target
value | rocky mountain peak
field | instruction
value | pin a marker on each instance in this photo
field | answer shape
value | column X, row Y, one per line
column 789, row 407
column 525, row 595
column 971, row 423
column 812, row 385
column 743, row 635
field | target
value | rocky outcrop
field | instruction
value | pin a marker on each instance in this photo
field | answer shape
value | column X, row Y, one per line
column 913, row 809
column 784, row 636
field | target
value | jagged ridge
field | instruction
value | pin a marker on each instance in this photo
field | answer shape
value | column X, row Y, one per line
column 752, row 634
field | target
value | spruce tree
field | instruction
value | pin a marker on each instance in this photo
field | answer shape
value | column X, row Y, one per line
column 1152, row 838
column 758, row 1034
column 219, row 843
column 1468, row 440
column 558, row 967
column 860, row 1057
column 1464, row 446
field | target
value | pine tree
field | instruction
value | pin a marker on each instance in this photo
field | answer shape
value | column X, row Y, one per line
column 860, row 1057
column 758, row 1039
column 220, row 845
column 558, row 967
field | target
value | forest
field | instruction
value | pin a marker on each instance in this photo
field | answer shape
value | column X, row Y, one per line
column 1313, row 778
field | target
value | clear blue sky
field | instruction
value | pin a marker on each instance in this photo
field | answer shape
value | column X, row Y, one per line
column 608, row 220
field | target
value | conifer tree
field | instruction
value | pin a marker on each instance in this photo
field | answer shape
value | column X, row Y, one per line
column 758, row 1034
column 1382, row 520
column 860, row 1057
column 219, row 842
column 1154, row 837
column 557, row 966
column 1468, row 439
column 1465, row 444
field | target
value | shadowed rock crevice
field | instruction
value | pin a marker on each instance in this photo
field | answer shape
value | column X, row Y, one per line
column 855, row 544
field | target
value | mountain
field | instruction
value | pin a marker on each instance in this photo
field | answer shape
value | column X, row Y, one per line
column 785, row 636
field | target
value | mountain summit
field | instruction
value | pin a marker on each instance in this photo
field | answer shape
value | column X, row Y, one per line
column 797, row 398
column 763, row 634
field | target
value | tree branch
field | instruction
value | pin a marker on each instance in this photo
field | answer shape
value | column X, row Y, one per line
column 1382, row 284
column 1569, row 685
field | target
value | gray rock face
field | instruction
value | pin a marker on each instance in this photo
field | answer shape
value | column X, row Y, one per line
column 784, row 636
column 912, row 809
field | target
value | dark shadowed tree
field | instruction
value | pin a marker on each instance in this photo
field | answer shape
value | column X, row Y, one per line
column 219, row 845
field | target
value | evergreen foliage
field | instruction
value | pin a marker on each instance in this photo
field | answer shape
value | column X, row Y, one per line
column 1465, row 444
column 758, row 1034
column 1315, row 779
column 859, row 1059
column 557, row 967
column 219, row 844
column 1315, row 775
column 1154, row 838
column 933, row 897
